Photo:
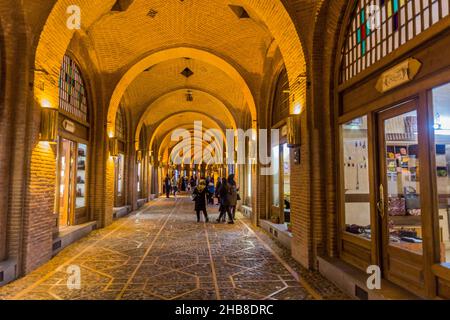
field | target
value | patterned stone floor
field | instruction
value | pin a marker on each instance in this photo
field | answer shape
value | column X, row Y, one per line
column 161, row 253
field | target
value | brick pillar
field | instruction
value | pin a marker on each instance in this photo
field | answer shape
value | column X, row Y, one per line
column 300, row 201
column 109, row 191
column 40, row 200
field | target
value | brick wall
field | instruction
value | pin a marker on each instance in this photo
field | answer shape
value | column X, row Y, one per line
column 39, row 218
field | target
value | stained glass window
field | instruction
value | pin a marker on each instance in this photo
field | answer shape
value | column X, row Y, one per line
column 120, row 124
column 378, row 27
column 72, row 91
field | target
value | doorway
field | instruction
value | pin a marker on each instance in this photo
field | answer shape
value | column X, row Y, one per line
column 120, row 180
column 400, row 205
column 71, row 181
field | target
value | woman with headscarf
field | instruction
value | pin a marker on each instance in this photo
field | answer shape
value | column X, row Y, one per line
column 199, row 195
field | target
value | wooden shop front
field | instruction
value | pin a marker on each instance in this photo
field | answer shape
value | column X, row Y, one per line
column 393, row 142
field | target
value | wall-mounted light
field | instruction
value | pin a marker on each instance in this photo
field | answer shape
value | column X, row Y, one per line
column 113, row 147
column 252, row 150
column 49, row 124
column 293, row 131
column 297, row 108
column 152, row 158
column 139, row 156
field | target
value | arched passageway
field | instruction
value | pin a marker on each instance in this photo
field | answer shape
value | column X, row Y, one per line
column 107, row 104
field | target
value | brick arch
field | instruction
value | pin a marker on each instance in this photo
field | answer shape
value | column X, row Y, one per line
column 55, row 39
column 275, row 16
column 222, row 106
column 163, row 124
column 170, row 54
column 165, row 150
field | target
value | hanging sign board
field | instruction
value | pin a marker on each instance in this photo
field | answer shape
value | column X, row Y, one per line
column 69, row 126
column 398, row 75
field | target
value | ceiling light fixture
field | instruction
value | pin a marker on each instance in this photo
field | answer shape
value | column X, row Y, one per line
column 189, row 96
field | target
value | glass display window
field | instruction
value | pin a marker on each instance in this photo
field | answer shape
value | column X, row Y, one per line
column 72, row 177
column 276, row 176
column 404, row 209
column 355, row 169
column 441, row 111
column 286, row 183
column 81, row 176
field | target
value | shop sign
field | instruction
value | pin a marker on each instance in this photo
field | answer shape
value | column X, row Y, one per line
column 69, row 126
column 398, row 75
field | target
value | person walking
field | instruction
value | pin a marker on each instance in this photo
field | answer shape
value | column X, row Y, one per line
column 174, row 186
column 211, row 191
column 224, row 203
column 232, row 195
column 192, row 183
column 199, row 195
column 218, row 185
column 167, row 185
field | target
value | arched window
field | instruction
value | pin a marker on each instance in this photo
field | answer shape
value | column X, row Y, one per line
column 72, row 91
column 120, row 125
column 280, row 109
column 379, row 27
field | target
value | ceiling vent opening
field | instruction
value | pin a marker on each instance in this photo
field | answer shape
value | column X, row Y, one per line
column 152, row 13
column 240, row 12
column 187, row 73
column 122, row 5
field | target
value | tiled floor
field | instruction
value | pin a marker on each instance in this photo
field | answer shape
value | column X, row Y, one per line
column 162, row 253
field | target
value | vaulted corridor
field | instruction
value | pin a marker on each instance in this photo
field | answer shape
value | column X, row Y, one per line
column 161, row 253
column 324, row 123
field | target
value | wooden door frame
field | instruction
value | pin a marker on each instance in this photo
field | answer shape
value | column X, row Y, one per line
column 415, row 104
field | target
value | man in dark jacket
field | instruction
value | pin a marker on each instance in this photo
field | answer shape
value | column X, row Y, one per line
column 199, row 195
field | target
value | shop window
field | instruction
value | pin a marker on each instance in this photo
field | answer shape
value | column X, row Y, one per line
column 287, row 183
column 81, row 176
column 441, row 104
column 403, row 186
column 249, row 181
column 354, row 142
column 139, row 176
column 276, row 176
column 120, row 174
column 377, row 28
column 72, row 91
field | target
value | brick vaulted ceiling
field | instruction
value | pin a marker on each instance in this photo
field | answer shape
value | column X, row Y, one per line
column 121, row 38
column 162, row 90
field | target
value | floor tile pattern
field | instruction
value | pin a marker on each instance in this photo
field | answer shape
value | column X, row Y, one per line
column 160, row 252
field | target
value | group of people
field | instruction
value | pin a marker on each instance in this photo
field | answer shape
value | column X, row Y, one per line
column 226, row 191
